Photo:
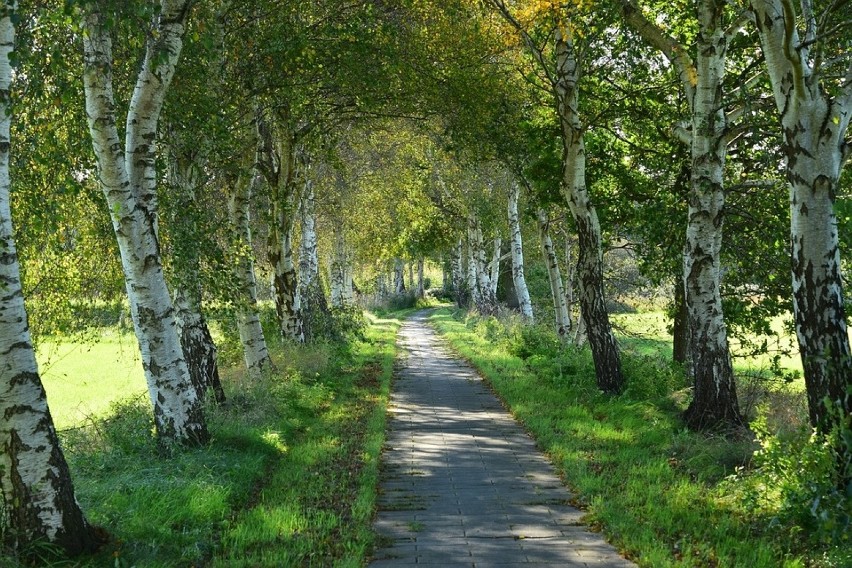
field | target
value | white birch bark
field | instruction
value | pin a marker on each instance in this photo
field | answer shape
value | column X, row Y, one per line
column 342, row 293
column 523, row 293
column 255, row 350
column 483, row 296
column 814, row 117
column 37, row 500
column 714, row 397
column 127, row 174
column 196, row 341
column 420, row 290
column 494, row 266
column 470, row 272
column 398, row 276
column 590, row 263
column 458, row 275
column 554, row 276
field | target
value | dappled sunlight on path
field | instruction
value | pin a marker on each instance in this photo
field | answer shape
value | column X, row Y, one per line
column 462, row 484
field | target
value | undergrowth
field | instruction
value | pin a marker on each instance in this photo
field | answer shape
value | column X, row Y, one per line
column 664, row 495
column 288, row 479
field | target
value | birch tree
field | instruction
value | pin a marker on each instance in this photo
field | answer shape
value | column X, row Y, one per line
column 811, row 74
column 714, row 400
column 559, row 58
column 554, row 276
column 524, row 302
column 37, row 500
column 127, row 175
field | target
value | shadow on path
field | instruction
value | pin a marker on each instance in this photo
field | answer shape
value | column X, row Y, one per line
column 462, row 484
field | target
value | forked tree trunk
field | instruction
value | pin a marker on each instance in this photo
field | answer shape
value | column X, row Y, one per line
column 398, row 276
column 523, row 293
column 483, row 297
column 255, row 350
column 278, row 164
column 36, row 493
column 814, row 125
column 128, row 175
column 554, row 276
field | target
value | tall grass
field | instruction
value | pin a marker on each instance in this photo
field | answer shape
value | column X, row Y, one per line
column 288, row 479
column 663, row 495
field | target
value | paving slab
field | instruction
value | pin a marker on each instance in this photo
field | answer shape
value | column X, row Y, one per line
column 462, row 484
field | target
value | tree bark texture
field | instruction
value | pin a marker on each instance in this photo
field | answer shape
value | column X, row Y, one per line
column 199, row 351
column 398, row 276
column 518, row 278
column 311, row 301
column 554, row 276
column 420, row 290
column 278, row 164
column 127, row 174
column 255, row 350
column 342, row 293
column 460, row 288
column 814, row 125
column 37, row 500
column 714, row 402
column 590, row 262
column 484, row 297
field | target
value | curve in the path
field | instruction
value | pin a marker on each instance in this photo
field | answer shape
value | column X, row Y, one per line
column 462, row 484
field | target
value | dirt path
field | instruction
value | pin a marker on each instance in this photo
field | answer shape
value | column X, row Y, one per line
column 462, row 483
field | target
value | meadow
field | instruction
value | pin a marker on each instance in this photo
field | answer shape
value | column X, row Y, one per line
column 290, row 476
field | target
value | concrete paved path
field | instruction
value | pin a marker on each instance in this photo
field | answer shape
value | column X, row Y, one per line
column 462, row 484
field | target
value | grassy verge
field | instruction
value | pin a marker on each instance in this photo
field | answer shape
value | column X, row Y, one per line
column 289, row 478
column 663, row 495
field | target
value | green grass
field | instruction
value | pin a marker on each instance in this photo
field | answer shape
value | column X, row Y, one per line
column 662, row 495
column 288, row 479
column 83, row 380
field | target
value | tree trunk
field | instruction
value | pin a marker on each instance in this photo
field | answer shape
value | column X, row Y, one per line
column 421, row 290
column 278, row 163
column 255, row 350
column 714, row 402
column 342, row 293
column 398, row 276
column 520, row 282
column 128, row 176
column 554, row 276
column 460, row 289
column 494, row 273
column 590, row 262
column 311, row 302
column 814, row 125
column 680, row 327
column 196, row 341
column 36, row 493
column 483, row 297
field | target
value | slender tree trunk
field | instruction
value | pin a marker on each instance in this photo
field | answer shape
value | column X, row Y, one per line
column 814, row 125
column 590, row 263
column 714, row 402
column 128, row 176
column 421, row 291
column 196, row 340
column 523, row 293
column 311, row 301
column 680, row 327
column 341, row 269
column 470, row 273
column 494, row 274
column 255, row 350
column 36, row 493
column 460, row 288
column 554, row 276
